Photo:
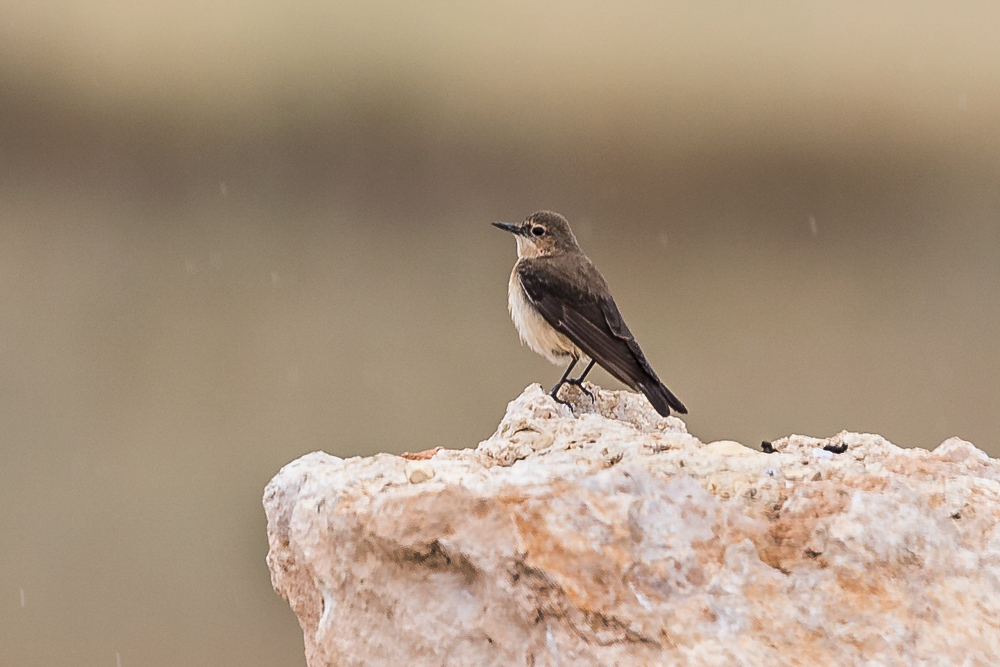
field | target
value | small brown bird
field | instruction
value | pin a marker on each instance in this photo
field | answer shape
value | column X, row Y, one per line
column 564, row 311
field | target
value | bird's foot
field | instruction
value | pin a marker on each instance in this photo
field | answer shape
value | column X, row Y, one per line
column 555, row 397
column 578, row 383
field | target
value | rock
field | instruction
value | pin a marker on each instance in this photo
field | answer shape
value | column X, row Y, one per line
column 603, row 534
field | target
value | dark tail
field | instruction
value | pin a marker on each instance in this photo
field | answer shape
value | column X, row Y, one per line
column 661, row 398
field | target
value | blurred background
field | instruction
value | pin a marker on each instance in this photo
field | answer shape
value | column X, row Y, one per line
column 235, row 232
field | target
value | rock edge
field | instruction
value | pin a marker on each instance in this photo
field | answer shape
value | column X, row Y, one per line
column 602, row 534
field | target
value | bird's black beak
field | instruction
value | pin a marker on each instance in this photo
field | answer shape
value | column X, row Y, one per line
column 508, row 227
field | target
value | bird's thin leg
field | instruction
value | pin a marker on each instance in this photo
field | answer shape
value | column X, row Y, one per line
column 555, row 390
column 584, row 373
column 578, row 382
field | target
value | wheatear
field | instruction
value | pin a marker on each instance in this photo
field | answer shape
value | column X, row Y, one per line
column 564, row 311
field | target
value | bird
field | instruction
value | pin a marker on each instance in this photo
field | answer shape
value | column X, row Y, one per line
column 563, row 310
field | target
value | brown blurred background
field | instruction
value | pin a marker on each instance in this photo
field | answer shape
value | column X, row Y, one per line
column 235, row 232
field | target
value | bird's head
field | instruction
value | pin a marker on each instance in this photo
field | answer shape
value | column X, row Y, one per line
column 541, row 234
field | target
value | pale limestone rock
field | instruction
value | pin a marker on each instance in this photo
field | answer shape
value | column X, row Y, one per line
column 603, row 534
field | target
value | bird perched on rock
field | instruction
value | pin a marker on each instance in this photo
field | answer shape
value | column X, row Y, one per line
column 564, row 311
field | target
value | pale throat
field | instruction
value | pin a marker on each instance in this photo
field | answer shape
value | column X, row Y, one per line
column 526, row 247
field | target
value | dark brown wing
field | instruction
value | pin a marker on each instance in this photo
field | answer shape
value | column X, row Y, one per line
column 654, row 389
column 589, row 317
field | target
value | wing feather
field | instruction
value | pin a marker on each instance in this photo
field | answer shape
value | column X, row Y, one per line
column 594, row 324
column 584, row 322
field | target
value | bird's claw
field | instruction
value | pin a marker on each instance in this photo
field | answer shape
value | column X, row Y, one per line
column 576, row 383
column 555, row 397
column 579, row 385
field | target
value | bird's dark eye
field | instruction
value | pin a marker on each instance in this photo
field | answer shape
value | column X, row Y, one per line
column 537, row 231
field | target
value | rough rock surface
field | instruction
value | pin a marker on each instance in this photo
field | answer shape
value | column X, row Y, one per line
column 606, row 535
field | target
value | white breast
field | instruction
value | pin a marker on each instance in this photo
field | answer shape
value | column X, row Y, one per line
column 534, row 331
